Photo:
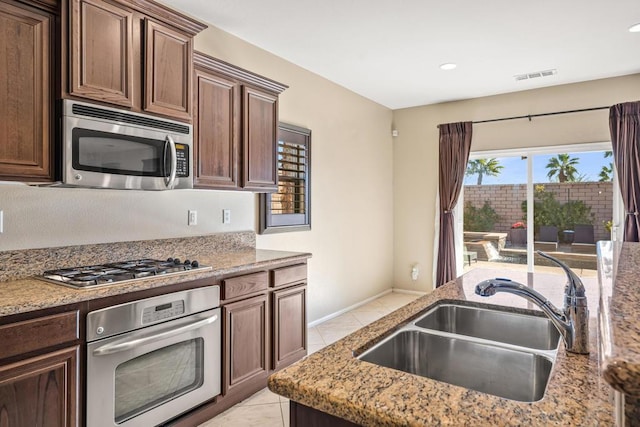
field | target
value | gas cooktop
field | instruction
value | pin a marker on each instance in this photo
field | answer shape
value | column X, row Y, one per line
column 91, row 276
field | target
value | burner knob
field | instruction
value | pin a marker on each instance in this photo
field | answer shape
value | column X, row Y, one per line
column 194, row 264
column 176, row 261
column 169, row 259
column 186, row 262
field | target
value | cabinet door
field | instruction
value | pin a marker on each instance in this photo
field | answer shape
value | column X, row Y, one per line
column 102, row 52
column 260, row 134
column 289, row 326
column 40, row 391
column 245, row 342
column 168, row 69
column 216, row 131
column 26, row 82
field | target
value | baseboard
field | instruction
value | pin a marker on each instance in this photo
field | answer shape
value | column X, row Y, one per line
column 351, row 307
column 408, row 291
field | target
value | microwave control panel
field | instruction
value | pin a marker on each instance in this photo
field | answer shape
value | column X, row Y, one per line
column 182, row 155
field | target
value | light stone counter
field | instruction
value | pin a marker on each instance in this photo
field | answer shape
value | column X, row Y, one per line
column 620, row 324
column 334, row 381
column 226, row 253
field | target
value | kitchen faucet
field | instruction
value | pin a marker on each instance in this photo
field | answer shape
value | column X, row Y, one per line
column 572, row 321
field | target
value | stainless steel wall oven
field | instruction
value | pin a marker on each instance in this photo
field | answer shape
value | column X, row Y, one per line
column 153, row 359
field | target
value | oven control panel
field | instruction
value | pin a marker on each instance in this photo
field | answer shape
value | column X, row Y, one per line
column 162, row 312
column 138, row 314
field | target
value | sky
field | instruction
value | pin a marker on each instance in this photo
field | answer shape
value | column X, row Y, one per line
column 515, row 169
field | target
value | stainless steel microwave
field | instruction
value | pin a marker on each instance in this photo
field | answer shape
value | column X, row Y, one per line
column 105, row 147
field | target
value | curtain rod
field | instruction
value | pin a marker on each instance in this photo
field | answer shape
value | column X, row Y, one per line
column 530, row 116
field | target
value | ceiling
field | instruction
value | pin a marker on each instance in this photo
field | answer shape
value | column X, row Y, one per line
column 390, row 51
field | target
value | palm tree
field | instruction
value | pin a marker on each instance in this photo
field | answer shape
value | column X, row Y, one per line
column 563, row 167
column 606, row 174
column 482, row 167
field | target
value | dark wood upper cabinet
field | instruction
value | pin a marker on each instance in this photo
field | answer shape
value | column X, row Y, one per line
column 102, row 52
column 135, row 54
column 235, row 127
column 168, row 71
column 260, row 139
column 215, row 128
column 28, row 46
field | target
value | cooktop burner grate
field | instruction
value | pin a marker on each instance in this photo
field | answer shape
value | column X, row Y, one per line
column 91, row 276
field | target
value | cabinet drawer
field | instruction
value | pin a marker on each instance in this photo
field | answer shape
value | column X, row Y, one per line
column 244, row 285
column 288, row 275
column 34, row 334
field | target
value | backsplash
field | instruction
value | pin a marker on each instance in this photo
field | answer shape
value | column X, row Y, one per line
column 23, row 263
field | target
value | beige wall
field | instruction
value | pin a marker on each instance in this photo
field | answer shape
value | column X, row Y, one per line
column 416, row 148
column 351, row 182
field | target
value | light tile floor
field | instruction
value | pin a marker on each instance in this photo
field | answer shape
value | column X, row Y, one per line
column 267, row 409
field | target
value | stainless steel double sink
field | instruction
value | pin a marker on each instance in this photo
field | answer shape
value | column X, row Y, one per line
column 483, row 348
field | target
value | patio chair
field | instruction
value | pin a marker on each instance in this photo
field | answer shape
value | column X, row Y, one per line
column 547, row 238
column 583, row 234
column 583, row 241
column 469, row 256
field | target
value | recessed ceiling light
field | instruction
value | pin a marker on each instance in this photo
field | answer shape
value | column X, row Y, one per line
column 448, row 66
column 635, row 28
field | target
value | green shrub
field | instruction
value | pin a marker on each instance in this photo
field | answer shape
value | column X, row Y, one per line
column 482, row 219
column 548, row 211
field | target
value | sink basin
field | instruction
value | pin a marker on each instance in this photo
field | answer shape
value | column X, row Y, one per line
column 492, row 324
column 500, row 371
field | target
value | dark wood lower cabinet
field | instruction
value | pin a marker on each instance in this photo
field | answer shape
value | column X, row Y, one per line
column 40, row 391
column 304, row 416
column 289, row 326
column 246, row 332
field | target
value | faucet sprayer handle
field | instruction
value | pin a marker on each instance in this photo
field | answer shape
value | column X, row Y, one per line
column 575, row 287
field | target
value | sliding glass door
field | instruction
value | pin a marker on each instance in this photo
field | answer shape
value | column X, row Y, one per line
column 558, row 200
column 494, row 211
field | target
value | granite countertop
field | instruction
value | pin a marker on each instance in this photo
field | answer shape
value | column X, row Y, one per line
column 620, row 316
column 332, row 380
column 29, row 294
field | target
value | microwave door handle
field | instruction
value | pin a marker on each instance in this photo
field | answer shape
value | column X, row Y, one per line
column 167, row 333
column 170, row 180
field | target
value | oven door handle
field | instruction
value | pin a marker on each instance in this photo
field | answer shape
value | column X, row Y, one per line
column 170, row 180
column 167, row 333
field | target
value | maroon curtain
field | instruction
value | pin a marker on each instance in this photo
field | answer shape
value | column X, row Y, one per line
column 624, row 123
column 455, row 144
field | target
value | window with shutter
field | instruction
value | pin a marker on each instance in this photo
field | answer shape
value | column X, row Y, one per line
column 289, row 209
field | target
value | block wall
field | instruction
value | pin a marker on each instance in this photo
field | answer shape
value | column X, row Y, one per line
column 507, row 201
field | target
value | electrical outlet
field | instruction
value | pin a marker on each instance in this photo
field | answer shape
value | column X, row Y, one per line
column 193, row 218
column 226, row 216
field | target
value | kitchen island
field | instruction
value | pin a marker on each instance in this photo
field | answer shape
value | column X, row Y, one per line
column 333, row 381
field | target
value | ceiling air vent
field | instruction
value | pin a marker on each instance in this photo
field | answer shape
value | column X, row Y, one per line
column 535, row 75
